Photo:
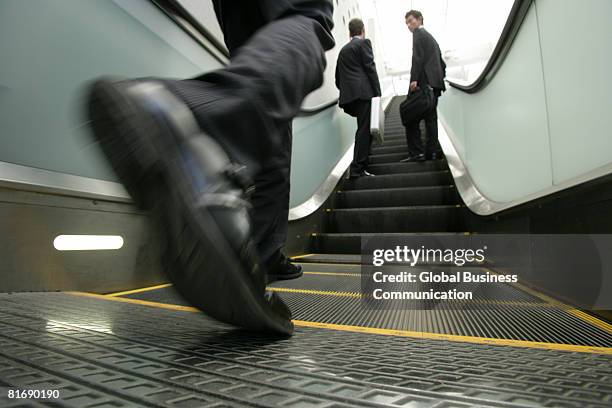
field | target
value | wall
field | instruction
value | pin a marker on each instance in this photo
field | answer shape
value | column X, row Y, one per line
column 48, row 56
column 542, row 123
column 49, row 50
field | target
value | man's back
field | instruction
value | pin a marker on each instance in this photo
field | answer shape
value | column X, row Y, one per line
column 356, row 75
column 428, row 67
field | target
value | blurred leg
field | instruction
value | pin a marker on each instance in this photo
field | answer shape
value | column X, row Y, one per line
column 248, row 106
column 196, row 193
column 271, row 203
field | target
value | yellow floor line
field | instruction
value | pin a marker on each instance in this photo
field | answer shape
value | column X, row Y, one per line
column 592, row 320
column 355, row 295
column 328, row 263
column 359, row 295
column 301, row 256
column 136, row 301
column 352, row 275
column 550, row 302
column 317, row 292
column 373, row 330
column 129, row 292
column 456, row 338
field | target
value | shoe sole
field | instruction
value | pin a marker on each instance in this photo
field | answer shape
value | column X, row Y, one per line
column 198, row 259
column 284, row 276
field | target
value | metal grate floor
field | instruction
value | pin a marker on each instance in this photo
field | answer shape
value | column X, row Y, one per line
column 104, row 353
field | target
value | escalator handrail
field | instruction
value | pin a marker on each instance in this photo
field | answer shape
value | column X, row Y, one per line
column 181, row 17
column 317, row 109
column 511, row 28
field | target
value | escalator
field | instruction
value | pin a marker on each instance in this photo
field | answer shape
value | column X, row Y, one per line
column 403, row 198
column 74, row 341
column 146, row 347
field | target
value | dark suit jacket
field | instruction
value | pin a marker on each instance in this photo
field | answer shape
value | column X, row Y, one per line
column 356, row 76
column 428, row 67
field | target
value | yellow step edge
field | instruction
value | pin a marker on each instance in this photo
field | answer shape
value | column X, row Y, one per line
column 351, row 275
column 456, row 338
column 592, row 320
column 139, row 290
column 356, row 295
column 168, row 306
column 384, row 332
column 301, row 256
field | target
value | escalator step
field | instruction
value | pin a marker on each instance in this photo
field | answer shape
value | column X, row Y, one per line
column 387, row 158
column 393, row 131
column 400, row 148
column 394, row 197
column 352, row 259
column 350, row 243
column 393, row 139
column 393, row 142
column 398, row 168
column 397, row 219
column 436, row 178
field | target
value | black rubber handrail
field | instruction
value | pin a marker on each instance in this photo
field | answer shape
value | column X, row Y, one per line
column 517, row 15
column 318, row 109
column 177, row 13
column 191, row 25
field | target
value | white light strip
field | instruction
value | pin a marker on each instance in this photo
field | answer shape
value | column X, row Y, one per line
column 87, row 242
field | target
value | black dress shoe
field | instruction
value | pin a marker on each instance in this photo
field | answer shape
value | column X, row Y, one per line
column 415, row 158
column 362, row 174
column 280, row 268
column 197, row 198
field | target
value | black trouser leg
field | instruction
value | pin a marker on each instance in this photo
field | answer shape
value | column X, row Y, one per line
column 270, row 202
column 363, row 137
column 413, row 139
column 248, row 104
column 278, row 57
column 431, row 124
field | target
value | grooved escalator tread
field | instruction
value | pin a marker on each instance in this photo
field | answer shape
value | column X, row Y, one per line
column 387, row 158
column 390, row 149
column 414, row 167
column 394, row 197
column 396, row 219
column 393, row 142
column 399, row 180
column 350, row 243
column 499, row 311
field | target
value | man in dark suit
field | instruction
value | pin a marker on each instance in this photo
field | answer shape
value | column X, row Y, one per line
column 428, row 70
column 187, row 151
column 357, row 80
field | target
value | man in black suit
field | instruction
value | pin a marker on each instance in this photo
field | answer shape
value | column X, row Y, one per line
column 428, row 70
column 357, row 80
column 187, row 151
